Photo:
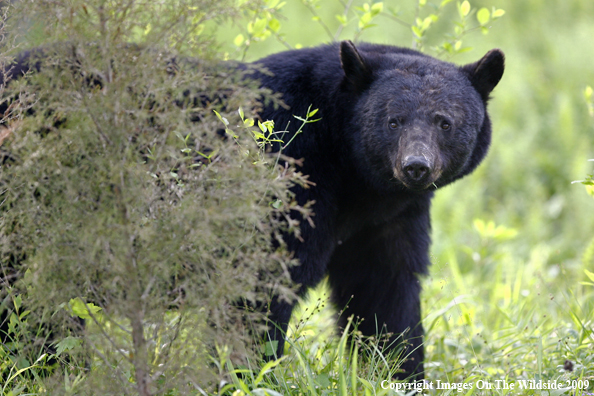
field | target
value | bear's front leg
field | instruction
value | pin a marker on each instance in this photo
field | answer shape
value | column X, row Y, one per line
column 374, row 276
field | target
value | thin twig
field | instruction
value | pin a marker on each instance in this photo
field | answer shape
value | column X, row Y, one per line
column 347, row 8
column 319, row 20
column 397, row 20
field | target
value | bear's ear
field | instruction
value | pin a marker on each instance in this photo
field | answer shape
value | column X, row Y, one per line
column 355, row 69
column 486, row 73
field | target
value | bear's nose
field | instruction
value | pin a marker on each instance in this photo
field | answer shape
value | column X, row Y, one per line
column 416, row 168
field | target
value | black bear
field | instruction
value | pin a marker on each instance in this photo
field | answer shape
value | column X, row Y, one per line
column 395, row 125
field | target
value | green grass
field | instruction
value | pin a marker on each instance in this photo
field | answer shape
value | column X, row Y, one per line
column 495, row 328
column 518, row 326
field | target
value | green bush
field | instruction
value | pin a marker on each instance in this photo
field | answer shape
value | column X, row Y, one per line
column 128, row 209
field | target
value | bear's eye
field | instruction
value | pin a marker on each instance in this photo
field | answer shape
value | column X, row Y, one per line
column 445, row 125
column 395, row 123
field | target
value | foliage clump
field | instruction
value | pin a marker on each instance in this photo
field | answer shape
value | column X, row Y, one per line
column 125, row 203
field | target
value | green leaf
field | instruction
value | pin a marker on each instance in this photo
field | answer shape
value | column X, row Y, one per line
column 67, row 344
column 269, row 124
column 426, row 23
column 464, row 9
column 498, row 13
column 270, row 348
column 220, row 117
column 483, row 16
column 24, row 314
column 378, row 8
column 444, row 2
column 267, row 367
column 18, row 300
column 259, row 26
column 240, row 112
column 323, row 381
column 83, row 310
column 312, row 113
column 589, row 274
column 274, row 25
column 365, row 19
column 239, row 40
column 503, row 233
column 588, row 93
column 395, row 11
column 354, row 369
column 342, row 19
column 417, row 31
column 29, row 275
column 259, row 136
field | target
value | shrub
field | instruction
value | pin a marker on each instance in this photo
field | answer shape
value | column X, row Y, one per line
column 128, row 209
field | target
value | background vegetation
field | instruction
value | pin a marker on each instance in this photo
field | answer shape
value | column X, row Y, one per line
column 511, row 293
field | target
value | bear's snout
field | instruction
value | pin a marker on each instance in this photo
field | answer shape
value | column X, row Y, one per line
column 417, row 169
column 416, row 166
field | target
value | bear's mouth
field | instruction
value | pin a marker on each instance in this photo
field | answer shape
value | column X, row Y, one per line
column 420, row 187
column 428, row 183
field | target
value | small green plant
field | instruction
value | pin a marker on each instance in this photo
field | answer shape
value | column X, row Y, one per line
column 264, row 23
column 588, row 257
column 21, row 365
column 453, row 44
column 344, row 365
column 588, row 182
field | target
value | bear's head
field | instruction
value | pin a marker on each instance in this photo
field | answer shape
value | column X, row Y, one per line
column 418, row 123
